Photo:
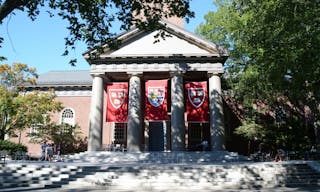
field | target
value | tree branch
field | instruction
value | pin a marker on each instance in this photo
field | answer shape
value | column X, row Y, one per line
column 8, row 6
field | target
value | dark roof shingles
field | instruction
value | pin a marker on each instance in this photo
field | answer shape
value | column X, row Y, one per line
column 81, row 77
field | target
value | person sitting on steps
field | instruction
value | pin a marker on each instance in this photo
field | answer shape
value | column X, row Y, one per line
column 280, row 155
column 204, row 144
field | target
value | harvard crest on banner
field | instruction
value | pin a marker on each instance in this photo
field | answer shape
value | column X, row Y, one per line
column 117, row 97
column 197, row 101
column 156, row 100
column 156, row 95
column 196, row 96
column 117, row 102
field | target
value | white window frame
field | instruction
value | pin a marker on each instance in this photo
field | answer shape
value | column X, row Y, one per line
column 72, row 121
column 34, row 129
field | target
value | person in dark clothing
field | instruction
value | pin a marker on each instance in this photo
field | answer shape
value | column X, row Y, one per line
column 43, row 151
column 59, row 153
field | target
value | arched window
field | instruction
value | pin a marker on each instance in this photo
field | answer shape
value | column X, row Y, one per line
column 68, row 116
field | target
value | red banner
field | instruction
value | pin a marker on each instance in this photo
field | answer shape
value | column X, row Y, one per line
column 197, row 101
column 156, row 100
column 117, row 102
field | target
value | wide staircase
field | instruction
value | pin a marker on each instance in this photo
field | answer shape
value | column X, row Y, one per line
column 187, row 171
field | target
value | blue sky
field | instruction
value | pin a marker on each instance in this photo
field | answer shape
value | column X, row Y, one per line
column 40, row 43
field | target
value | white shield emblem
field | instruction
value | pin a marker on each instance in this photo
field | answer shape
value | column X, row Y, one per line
column 117, row 97
column 196, row 96
column 156, row 96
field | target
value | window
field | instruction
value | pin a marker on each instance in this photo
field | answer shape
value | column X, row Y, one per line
column 34, row 130
column 120, row 133
column 195, row 131
column 68, row 116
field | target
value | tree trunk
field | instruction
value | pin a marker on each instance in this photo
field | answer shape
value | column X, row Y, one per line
column 3, row 125
column 2, row 135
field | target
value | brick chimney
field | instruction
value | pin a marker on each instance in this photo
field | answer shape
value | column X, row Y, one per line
column 178, row 21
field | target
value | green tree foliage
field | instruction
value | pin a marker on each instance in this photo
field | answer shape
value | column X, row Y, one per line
column 91, row 21
column 68, row 137
column 11, row 147
column 274, row 59
column 20, row 109
column 250, row 130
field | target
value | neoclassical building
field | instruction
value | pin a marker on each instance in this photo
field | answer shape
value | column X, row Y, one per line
column 158, row 117
column 149, row 94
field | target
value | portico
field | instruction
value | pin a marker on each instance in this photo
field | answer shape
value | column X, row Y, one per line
column 179, row 58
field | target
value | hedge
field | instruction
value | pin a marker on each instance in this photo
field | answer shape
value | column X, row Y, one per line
column 12, row 147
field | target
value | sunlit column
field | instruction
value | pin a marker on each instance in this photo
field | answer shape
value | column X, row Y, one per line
column 134, row 133
column 96, row 113
column 216, row 113
column 177, row 113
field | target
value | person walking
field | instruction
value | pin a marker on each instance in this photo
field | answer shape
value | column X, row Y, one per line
column 59, row 152
column 43, row 151
column 49, row 152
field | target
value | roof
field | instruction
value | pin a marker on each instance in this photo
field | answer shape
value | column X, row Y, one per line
column 65, row 78
column 138, row 43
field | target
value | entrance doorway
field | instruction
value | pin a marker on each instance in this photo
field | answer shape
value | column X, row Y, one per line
column 120, row 134
column 157, row 134
column 198, row 132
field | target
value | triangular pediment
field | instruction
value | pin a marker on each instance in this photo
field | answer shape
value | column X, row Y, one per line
column 146, row 44
column 177, row 41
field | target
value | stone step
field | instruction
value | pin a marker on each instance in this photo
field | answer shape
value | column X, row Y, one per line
column 155, row 157
column 145, row 176
column 36, row 175
column 141, row 175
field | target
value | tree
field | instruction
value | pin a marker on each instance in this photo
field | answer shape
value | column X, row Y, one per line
column 67, row 137
column 91, row 21
column 20, row 109
column 273, row 48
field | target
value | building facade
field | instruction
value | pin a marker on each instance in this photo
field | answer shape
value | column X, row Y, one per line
column 179, row 58
column 73, row 90
column 185, row 109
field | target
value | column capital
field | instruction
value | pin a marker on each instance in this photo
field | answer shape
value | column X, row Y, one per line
column 176, row 73
column 137, row 74
column 103, row 76
column 214, row 73
column 98, row 74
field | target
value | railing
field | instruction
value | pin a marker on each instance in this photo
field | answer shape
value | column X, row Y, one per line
column 20, row 155
column 115, row 147
column 261, row 156
column 3, row 156
column 289, row 155
column 312, row 155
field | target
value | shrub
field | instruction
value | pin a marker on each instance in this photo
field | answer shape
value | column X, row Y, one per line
column 12, row 147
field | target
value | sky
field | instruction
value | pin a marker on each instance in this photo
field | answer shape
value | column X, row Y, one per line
column 40, row 43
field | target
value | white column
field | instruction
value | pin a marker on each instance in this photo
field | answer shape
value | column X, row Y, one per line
column 177, row 113
column 216, row 114
column 134, row 133
column 96, row 113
